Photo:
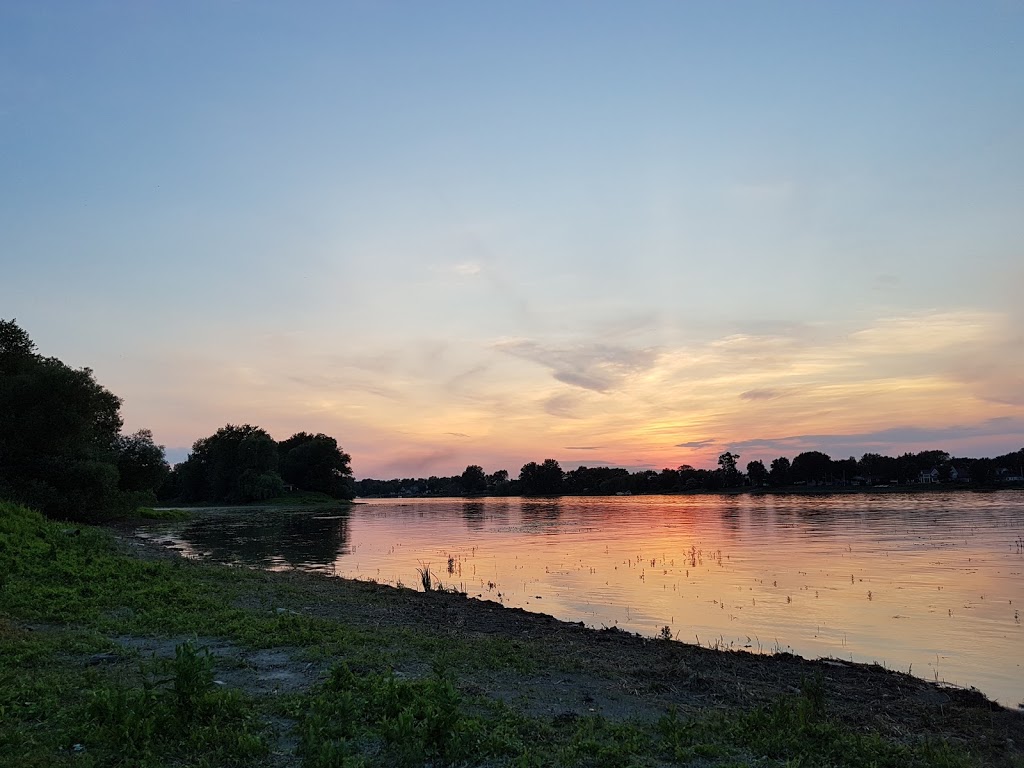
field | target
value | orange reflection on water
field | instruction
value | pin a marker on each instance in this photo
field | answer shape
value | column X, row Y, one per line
column 930, row 583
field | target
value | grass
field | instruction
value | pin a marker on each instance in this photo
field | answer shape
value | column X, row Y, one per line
column 148, row 513
column 304, row 498
column 67, row 593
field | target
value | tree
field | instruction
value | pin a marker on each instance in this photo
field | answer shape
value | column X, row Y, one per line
column 811, row 467
column 878, row 469
column 779, row 473
column 757, row 473
column 727, row 465
column 316, row 463
column 541, row 479
column 499, row 478
column 983, row 472
column 17, row 350
column 58, row 429
column 229, row 466
column 844, row 469
column 140, row 462
column 473, row 479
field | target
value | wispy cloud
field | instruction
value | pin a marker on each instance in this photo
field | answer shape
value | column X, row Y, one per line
column 760, row 394
column 348, row 384
column 564, row 406
column 597, row 367
column 698, row 443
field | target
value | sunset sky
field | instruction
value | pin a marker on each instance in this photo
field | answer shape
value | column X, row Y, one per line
column 627, row 233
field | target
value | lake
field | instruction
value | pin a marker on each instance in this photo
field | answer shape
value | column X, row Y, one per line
column 930, row 583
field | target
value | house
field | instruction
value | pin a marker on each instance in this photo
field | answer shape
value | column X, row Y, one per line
column 948, row 473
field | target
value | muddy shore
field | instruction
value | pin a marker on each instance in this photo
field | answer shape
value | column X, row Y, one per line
column 623, row 676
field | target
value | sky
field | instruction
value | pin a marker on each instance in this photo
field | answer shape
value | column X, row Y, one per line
column 451, row 233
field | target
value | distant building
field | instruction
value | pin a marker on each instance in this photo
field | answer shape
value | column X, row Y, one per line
column 953, row 474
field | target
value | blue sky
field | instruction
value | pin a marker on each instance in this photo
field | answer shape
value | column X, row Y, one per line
column 633, row 233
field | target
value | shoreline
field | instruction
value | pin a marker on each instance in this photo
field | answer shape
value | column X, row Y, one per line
column 554, row 691
column 824, row 490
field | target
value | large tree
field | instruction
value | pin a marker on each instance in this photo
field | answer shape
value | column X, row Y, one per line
column 757, row 473
column 811, row 467
column 474, row 479
column 727, row 466
column 779, row 472
column 541, row 479
column 235, row 464
column 59, row 435
column 244, row 463
column 316, row 463
column 140, row 462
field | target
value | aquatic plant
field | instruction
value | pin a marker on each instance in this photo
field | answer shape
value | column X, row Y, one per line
column 426, row 577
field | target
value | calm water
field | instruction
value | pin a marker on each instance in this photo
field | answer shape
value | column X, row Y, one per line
column 931, row 583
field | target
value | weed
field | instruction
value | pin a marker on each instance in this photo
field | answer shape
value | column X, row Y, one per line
column 176, row 711
column 405, row 722
column 426, row 578
column 812, row 702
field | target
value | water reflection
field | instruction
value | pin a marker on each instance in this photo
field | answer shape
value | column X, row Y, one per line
column 473, row 514
column 274, row 539
column 537, row 512
column 931, row 582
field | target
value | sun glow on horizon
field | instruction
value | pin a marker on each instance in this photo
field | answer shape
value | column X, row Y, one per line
column 634, row 405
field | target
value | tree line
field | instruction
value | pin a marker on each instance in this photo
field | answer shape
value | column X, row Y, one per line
column 809, row 468
column 239, row 464
column 63, row 453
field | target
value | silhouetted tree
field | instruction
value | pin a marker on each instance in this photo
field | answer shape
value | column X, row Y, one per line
column 474, row 480
column 316, row 463
column 60, row 447
column 779, row 472
column 541, row 479
column 233, row 465
column 140, row 462
column 727, row 466
column 498, row 479
column 756, row 472
column 811, row 467
column 58, row 430
column 877, row 469
column 844, row 469
column 983, row 472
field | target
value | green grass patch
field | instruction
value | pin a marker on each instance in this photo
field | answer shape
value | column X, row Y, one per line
column 304, row 498
column 148, row 513
column 363, row 720
column 66, row 591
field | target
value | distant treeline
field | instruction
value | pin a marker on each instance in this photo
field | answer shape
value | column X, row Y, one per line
column 810, row 468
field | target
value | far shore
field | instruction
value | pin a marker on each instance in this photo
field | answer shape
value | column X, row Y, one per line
column 788, row 490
